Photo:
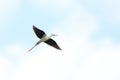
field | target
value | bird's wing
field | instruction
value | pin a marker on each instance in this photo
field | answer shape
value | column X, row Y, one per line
column 52, row 43
column 38, row 32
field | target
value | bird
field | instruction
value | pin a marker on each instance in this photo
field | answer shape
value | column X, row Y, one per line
column 44, row 38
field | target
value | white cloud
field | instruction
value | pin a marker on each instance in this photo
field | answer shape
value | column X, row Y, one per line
column 94, row 64
column 3, row 64
column 98, row 62
column 99, row 67
column 10, row 59
column 15, row 49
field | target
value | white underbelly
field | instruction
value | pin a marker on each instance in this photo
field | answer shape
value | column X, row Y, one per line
column 45, row 38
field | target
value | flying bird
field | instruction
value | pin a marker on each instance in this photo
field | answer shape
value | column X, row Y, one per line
column 44, row 38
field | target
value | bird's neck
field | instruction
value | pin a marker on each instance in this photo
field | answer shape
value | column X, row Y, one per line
column 50, row 35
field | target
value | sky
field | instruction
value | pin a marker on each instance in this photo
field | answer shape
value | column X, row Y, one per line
column 88, row 34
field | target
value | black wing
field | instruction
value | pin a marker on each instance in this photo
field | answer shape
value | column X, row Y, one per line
column 52, row 43
column 38, row 32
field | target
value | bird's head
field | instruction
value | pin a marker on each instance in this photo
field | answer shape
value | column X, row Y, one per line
column 53, row 34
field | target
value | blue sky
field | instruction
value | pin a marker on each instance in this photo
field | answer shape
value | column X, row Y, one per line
column 88, row 32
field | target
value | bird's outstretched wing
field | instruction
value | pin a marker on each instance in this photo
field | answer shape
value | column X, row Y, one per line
column 38, row 32
column 52, row 43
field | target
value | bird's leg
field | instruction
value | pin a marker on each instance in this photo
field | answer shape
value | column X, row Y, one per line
column 34, row 46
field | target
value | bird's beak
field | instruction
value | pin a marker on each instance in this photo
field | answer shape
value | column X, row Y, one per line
column 56, row 35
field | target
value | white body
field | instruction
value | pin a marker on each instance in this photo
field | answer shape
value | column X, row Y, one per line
column 44, row 38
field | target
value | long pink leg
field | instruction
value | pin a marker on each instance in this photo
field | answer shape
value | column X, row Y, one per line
column 31, row 48
column 34, row 46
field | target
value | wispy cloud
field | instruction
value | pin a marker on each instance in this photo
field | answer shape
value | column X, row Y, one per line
column 53, row 7
column 53, row 4
column 106, row 9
